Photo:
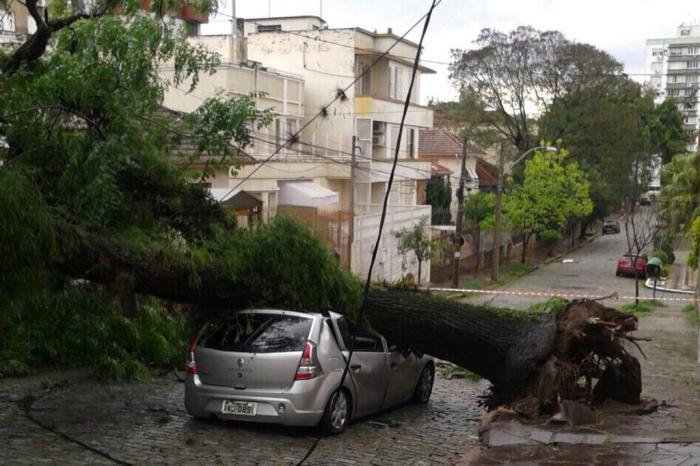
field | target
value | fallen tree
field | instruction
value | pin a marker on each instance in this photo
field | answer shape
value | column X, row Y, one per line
column 534, row 360
column 89, row 190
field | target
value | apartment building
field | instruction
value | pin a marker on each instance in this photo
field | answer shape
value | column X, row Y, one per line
column 674, row 67
column 369, row 85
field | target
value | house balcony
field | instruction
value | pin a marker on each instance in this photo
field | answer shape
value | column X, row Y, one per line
column 390, row 110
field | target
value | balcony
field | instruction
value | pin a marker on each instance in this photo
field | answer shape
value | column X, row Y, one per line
column 389, row 110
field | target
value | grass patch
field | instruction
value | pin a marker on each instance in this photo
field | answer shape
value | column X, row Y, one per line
column 451, row 371
column 471, row 284
column 551, row 306
column 692, row 314
column 642, row 308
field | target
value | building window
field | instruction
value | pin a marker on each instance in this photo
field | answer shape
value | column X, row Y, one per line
column 692, row 50
column 278, row 135
column 693, row 64
column 269, row 28
column 657, row 52
column 412, row 143
column 692, row 78
column 396, row 82
column 674, row 92
column 364, row 81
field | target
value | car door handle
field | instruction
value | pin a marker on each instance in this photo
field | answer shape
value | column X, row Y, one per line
column 356, row 367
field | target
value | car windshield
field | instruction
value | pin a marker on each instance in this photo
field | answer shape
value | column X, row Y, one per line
column 258, row 333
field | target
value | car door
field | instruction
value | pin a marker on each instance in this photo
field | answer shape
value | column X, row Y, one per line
column 402, row 376
column 368, row 367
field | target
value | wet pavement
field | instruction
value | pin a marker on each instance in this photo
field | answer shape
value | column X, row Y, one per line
column 88, row 422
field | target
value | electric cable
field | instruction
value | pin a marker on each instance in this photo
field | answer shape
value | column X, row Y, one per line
column 368, row 282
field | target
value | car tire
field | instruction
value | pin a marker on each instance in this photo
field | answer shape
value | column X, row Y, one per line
column 337, row 413
column 424, row 386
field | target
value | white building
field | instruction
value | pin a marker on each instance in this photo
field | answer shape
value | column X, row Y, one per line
column 674, row 67
column 330, row 60
column 300, row 64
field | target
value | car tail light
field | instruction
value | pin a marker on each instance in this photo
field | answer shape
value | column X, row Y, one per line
column 308, row 364
column 190, row 364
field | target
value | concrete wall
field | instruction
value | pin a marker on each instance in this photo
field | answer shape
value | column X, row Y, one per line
column 390, row 265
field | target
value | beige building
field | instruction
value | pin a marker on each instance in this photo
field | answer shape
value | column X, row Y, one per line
column 369, row 86
column 16, row 23
column 296, row 76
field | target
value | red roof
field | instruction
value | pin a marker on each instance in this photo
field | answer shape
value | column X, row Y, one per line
column 441, row 143
column 438, row 170
column 487, row 172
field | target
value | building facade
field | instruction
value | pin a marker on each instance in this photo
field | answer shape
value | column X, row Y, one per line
column 673, row 65
column 369, row 87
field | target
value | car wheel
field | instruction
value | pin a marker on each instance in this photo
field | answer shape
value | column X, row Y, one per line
column 337, row 413
column 424, row 387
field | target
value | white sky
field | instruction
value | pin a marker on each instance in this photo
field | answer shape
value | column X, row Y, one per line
column 619, row 27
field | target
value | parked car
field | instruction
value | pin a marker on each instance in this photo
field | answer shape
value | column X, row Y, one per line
column 611, row 226
column 285, row 367
column 625, row 267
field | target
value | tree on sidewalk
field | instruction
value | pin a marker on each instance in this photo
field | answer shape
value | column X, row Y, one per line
column 416, row 240
column 551, row 194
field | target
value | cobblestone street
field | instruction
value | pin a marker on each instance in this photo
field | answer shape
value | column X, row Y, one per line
column 145, row 423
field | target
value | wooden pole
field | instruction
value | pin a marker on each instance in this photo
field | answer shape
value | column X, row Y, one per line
column 460, row 214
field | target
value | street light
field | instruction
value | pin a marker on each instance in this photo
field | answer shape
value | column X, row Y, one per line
column 497, row 219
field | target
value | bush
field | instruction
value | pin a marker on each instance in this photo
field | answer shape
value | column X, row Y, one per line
column 663, row 249
column 80, row 326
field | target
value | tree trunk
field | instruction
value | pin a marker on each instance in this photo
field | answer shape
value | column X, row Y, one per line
column 420, row 263
column 526, row 239
column 524, row 355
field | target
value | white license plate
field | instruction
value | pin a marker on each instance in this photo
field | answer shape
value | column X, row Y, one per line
column 241, row 408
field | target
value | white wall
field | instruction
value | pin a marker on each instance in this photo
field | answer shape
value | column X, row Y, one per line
column 389, row 264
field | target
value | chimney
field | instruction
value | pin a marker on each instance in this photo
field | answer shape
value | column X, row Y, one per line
column 239, row 43
column 389, row 31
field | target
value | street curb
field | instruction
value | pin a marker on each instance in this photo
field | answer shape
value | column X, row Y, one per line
column 649, row 283
column 568, row 251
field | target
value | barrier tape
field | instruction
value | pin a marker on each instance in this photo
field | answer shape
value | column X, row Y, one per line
column 546, row 294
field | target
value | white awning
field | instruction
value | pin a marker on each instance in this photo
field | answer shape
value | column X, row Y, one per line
column 223, row 194
column 305, row 194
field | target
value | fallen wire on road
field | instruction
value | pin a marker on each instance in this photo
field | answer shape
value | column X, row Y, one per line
column 27, row 406
column 549, row 294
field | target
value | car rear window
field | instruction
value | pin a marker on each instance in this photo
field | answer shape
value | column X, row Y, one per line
column 258, row 333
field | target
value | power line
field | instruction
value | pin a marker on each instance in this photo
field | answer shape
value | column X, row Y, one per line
column 340, row 95
column 360, row 49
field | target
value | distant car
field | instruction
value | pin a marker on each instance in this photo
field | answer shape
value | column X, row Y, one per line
column 625, row 266
column 611, row 226
column 285, row 367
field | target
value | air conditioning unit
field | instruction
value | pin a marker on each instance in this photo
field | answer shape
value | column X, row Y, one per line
column 378, row 140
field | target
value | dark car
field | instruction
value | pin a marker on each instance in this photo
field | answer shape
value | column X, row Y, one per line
column 625, row 267
column 611, row 226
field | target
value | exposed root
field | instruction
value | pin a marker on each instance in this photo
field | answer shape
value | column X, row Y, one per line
column 589, row 362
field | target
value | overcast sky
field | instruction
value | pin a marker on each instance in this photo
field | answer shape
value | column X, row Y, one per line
column 619, row 27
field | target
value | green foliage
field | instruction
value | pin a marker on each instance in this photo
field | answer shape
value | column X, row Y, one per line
column 679, row 200
column 692, row 314
column 693, row 235
column 451, row 371
column 551, row 306
column 417, row 240
column 551, row 195
column 81, row 326
column 284, row 264
column 438, row 193
column 640, row 309
column 479, row 208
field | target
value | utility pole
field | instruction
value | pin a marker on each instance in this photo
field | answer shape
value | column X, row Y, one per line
column 460, row 214
column 351, row 226
column 497, row 220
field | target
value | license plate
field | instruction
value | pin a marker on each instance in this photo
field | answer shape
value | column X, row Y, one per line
column 241, row 408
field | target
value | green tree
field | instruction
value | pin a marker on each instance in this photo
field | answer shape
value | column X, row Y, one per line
column 552, row 193
column 415, row 239
column 438, row 193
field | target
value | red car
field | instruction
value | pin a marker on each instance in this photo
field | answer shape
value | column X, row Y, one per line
column 625, row 267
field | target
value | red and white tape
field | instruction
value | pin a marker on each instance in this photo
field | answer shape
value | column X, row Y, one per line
column 546, row 294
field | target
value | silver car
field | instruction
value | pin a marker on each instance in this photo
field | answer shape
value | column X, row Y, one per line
column 285, row 367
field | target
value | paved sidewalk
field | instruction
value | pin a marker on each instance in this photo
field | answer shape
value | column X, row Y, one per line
column 669, row 436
